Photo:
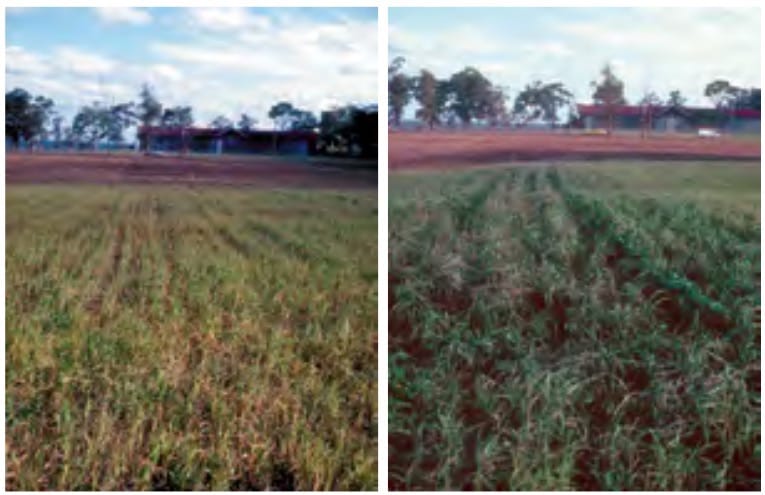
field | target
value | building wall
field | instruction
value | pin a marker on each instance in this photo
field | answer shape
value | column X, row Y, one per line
column 743, row 126
column 620, row 122
column 262, row 143
column 672, row 123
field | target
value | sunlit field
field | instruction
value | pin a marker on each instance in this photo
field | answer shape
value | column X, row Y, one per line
column 575, row 327
column 180, row 338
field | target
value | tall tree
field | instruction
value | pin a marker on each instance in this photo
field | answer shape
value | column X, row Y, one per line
column 676, row 99
column 221, row 122
column 721, row 92
column 95, row 123
column 281, row 114
column 287, row 117
column 724, row 95
column 56, row 129
column 650, row 99
column 91, row 124
column 178, row 116
column 399, row 90
column 496, row 109
column 755, row 99
column 118, row 118
column 649, row 103
column 349, row 129
column 303, row 120
column 149, row 108
column 426, row 94
column 471, row 95
column 609, row 92
column 25, row 115
column 542, row 101
column 246, row 122
column 149, row 111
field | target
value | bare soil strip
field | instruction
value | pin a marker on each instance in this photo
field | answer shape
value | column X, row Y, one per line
column 445, row 149
column 134, row 168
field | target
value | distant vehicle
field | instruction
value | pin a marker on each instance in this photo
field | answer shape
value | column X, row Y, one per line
column 596, row 132
column 706, row 132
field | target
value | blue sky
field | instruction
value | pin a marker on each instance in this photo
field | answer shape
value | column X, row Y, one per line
column 219, row 60
column 651, row 49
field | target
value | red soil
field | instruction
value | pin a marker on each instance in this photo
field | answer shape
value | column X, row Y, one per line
column 454, row 148
column 134, row 168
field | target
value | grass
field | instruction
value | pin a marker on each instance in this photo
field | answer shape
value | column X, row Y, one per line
column 169, row 338
column 575, row 327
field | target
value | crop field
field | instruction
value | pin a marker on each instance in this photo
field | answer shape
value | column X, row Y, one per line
column 190, row 338
column 575, row 326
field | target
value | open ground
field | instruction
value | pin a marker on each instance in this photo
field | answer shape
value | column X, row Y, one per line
column 556, row 327
column 172, row 337
column 138, row 168
column 459, row 148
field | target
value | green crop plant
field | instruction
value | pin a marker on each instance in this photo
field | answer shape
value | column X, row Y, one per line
column 582, row 327
column 190, row 338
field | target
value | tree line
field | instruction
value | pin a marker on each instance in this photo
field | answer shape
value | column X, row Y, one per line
column 34, row 118
column 468, row 96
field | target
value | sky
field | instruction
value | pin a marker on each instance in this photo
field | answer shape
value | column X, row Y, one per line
column 650, row 49
column 219, row 60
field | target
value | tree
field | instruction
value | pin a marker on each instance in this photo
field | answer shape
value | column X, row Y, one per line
column 281, row 114
column 286, row 117
column 649, row 102
column 609, row 92
column 724, row 95
column 149, row 111
column 676, row 99
column 90, row 124
column 95, row 123
column 496, row 108
column 748, row 99
column 56, row 129
column 177, row 117
column 426, row 94
column 303, row 120
column 755, row 99
column 721, row 92
column 470, row 95
column 540, row 100
column 399, row 91
column 445, row 103
column 25, row 116
column 149, row 108
column 246, row 122
column 221, row 122
column 349, row 129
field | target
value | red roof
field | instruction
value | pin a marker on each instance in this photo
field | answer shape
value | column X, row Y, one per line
column 636, row 110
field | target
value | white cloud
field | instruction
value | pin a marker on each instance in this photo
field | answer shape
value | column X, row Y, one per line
column 20, row 61
column 651, row 49
column 19, row 10
column 246, row 68
column 226, row 19
column 127, row 15
column 81, row 62
column 167, row 72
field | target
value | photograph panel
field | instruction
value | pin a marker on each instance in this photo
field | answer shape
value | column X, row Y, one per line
column 574, row 249
column 191, row 249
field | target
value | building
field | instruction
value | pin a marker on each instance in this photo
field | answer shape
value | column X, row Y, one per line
column 217, row 141
column 669, row 118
